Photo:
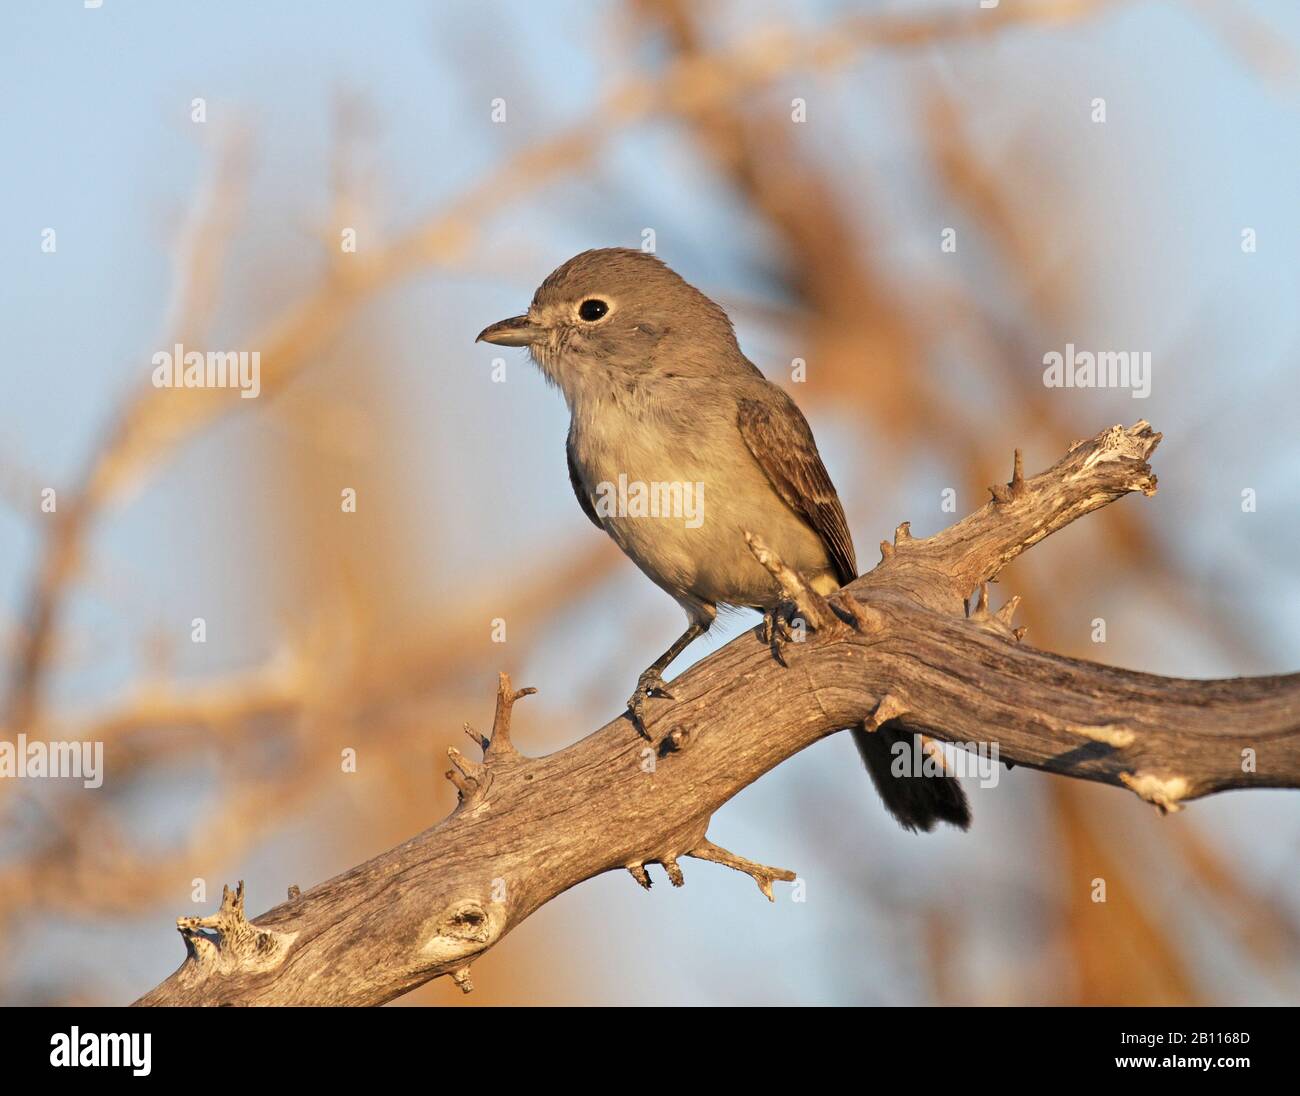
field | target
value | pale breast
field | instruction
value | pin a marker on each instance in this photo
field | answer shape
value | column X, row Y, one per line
column 678, row 501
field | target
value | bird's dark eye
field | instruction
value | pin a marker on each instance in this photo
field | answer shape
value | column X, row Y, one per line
column 591, row 309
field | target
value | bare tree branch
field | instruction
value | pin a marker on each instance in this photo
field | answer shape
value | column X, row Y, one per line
column 897, row 644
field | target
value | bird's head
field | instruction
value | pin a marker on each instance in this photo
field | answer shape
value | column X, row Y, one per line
column 615, row 315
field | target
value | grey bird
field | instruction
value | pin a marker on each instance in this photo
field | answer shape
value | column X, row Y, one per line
column 664, row 404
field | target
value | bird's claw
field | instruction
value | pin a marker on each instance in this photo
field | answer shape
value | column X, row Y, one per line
column 650, row 683
column 777, row 632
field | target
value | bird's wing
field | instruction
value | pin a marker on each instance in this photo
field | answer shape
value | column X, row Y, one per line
column 778, row 436
column 584, row 499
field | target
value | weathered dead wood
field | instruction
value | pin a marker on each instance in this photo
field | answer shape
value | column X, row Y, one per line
column 900, row 643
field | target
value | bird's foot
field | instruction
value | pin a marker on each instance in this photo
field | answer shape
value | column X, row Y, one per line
column 651, row 682
column 778, row 629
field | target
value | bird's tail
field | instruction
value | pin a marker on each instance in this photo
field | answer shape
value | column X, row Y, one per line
column 918, row 801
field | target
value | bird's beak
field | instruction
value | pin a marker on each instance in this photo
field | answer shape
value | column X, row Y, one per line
column 516, row 331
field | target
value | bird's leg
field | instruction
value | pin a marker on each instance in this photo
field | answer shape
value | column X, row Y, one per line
column 652, row 681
